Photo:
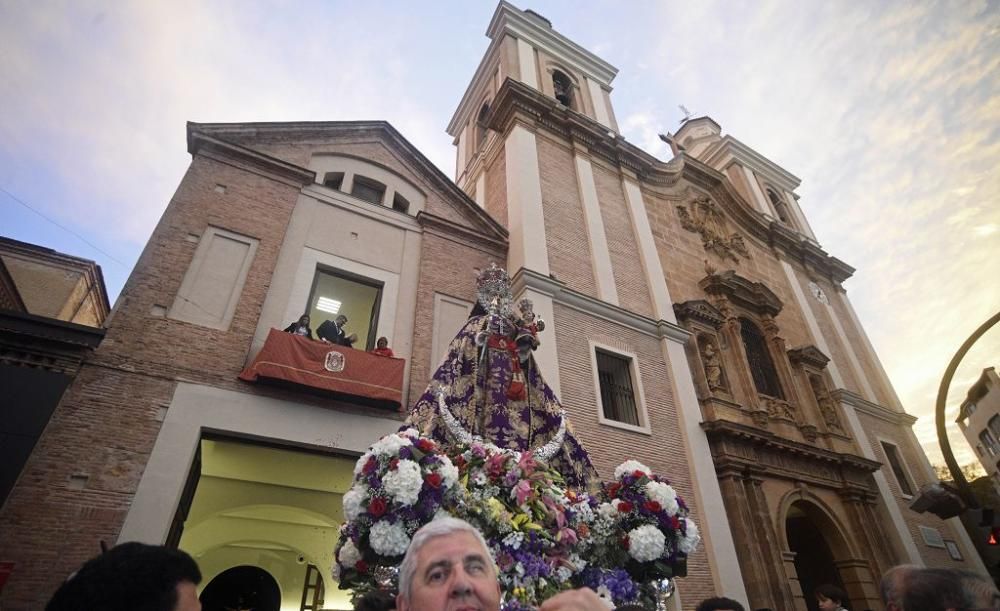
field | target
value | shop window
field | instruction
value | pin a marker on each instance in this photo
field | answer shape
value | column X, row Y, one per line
column 896, row 464
column 336, row 292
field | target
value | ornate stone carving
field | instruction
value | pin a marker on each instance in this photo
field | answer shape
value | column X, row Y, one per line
column 712, row 363
column 699, row 310
column 808, row 355
column 760, row 418
column 754, row 296
column 827, row 407
column 809, row 432
column 703, row 216
column 779, row 408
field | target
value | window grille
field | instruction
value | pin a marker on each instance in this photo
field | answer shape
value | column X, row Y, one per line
column 765, row 377
column 617, row 394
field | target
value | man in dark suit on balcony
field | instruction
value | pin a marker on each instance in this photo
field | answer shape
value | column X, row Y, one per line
column 333, row 331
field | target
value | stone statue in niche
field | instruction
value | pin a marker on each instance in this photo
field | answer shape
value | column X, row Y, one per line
column 703, row 216
column 826, row 405
column 712, row 363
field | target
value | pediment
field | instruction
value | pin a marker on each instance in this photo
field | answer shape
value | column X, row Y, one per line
column 808, row 355
column 701, row 311
column 376, row 142
column 754, row 296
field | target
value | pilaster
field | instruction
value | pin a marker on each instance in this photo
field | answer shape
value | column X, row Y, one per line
column 525, row 219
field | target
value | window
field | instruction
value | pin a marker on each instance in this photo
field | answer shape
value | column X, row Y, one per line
column 333, row 180
column 400, row 203
column 336, row 292
column 562, row 86
column 765, row 377
column 368, row 189
column 780, row 207
column 896, row 463
column 214, row 281
column 481, row 128
column 617, row 393
column 989, row 442
column 994, row 426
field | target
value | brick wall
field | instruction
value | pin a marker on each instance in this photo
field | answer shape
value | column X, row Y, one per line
column 663, row 450
column 496, row 186
column 565, row 228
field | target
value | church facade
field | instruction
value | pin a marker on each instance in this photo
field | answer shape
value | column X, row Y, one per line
column 693, row 324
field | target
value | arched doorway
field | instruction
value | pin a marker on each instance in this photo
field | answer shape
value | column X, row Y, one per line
column 809, row 532
column 242, row 587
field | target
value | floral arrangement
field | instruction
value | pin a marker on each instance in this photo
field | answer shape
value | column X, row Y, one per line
column 624, row 543
column 537, row 529
column 400, row 484
column 648, row 531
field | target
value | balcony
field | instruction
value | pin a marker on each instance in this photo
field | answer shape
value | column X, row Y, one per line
column 335, row 371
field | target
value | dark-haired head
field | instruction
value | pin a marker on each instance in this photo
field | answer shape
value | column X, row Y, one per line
column 719, row 604
column 129, row 577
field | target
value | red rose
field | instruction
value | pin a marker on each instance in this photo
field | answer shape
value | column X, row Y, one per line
column 361, row 566
column 675, row 522
column 613, row 490
column 638, row 474
column 459, row 461
column 370, row 465
column 425, row 444
column 433, row 480
column 652, row 506
column 377, row 506
column 625, row 542
column 624, row 507
column 393, row 464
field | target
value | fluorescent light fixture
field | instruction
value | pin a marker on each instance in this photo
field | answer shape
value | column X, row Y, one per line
column 325, row 304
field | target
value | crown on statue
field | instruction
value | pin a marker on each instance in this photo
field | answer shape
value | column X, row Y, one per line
column 493, row 290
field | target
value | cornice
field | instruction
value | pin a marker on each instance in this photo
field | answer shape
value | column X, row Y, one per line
column 512, row 20
column 809, row 355
column 701, row 311
column 753, row 160
column 755, row 296
column 873, row 409
column 722, row 429
column 517, row 103
column 563, row 295
column 202, row 144
column 442, row 225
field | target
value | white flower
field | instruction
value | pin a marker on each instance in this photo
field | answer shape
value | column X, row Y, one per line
column 689, row 542
column 390, row 445
column 448, row 472
column 605, row 595
column 513, row 540
column 388, row 539
column 349, row 554
column 404, row 483
column 352, row 502
column 608, row 510
column 664, row 494
column 645, row 543
column 563, row 573
column 630, row 466
column 358, row 466
column 411, row 432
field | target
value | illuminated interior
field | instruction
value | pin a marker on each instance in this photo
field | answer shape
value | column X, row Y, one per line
column 333, row 294
column 271, row 508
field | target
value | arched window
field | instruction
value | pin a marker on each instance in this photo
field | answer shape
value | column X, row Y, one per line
column 481, row 128
column 780, row 207
column 562, row 86
column 765, row 377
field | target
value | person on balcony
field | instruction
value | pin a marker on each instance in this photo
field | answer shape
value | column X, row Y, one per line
column 332, row 331
column 301, row 327
column 382, row 347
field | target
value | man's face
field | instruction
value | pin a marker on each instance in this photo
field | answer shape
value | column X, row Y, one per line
column 454, row 573
column 187, row 597
column 341, row 321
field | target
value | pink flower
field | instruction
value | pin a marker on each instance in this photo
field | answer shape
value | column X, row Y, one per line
column 522, row 491
column 567, row 536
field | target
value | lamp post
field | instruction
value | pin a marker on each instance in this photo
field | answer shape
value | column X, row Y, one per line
column 964, row 490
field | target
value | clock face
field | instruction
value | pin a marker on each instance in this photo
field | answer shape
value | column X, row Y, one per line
column 818, row 293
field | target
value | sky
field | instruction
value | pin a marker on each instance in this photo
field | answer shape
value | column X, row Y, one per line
column 889, row 113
